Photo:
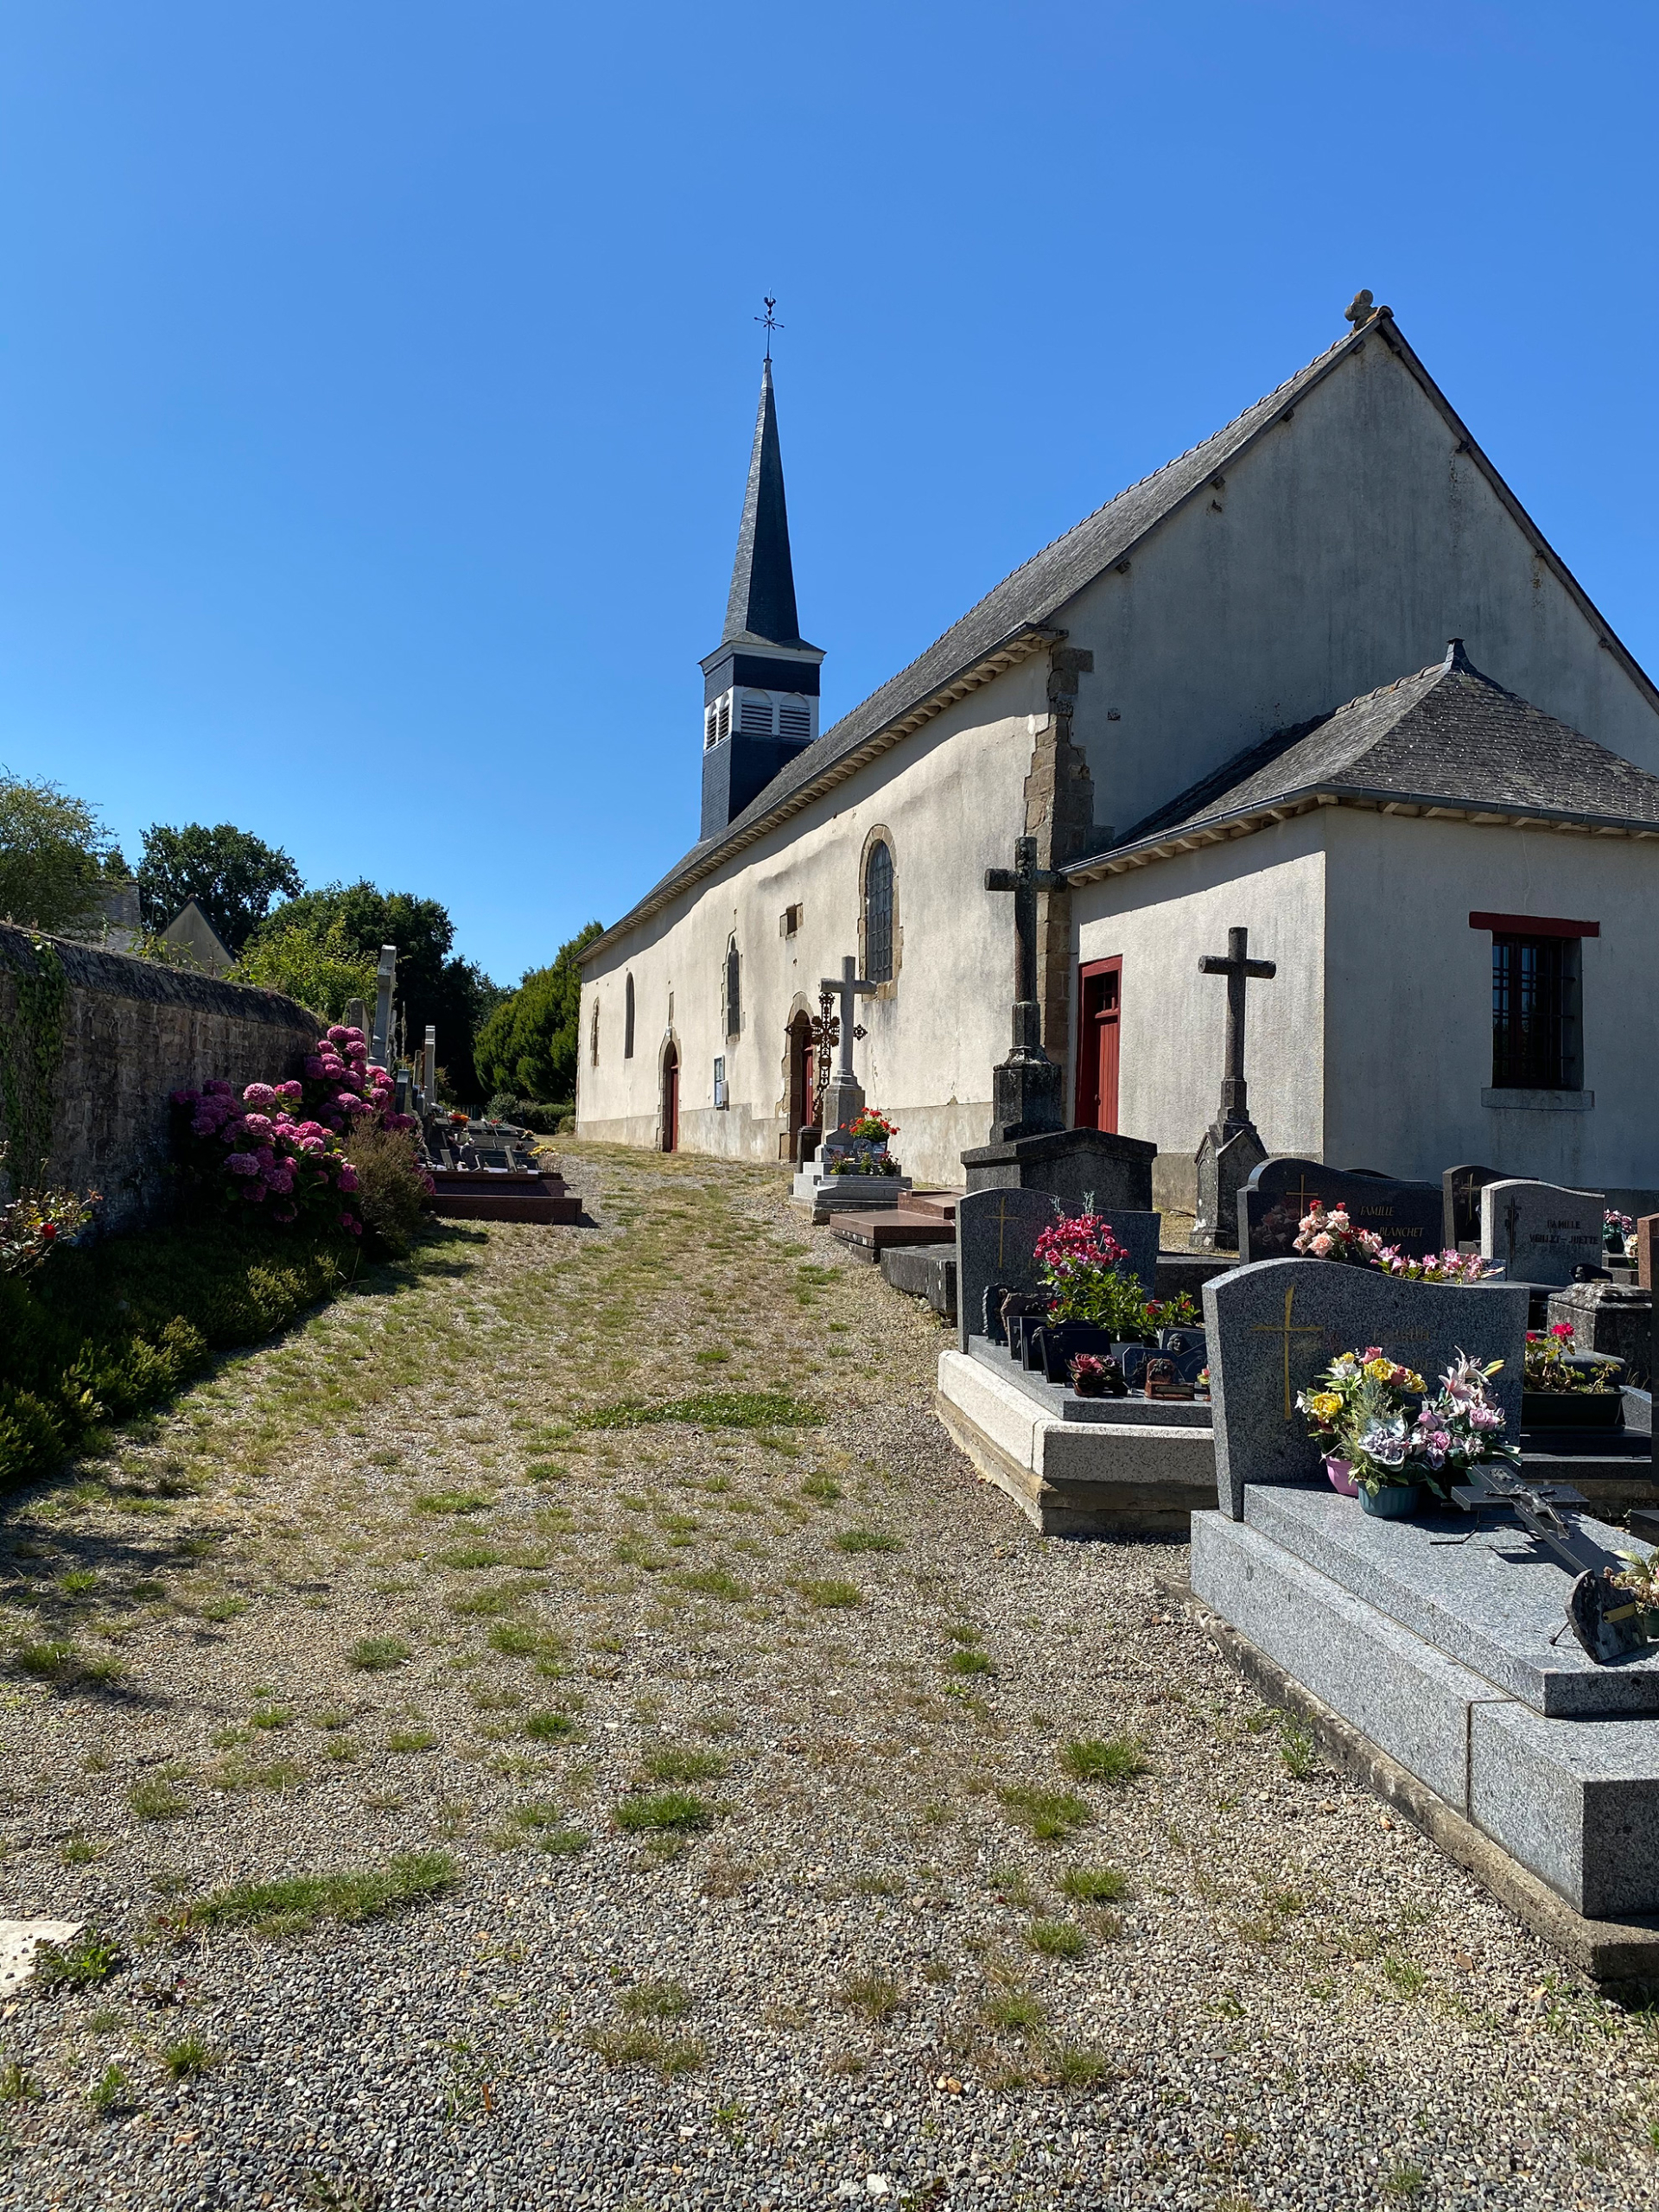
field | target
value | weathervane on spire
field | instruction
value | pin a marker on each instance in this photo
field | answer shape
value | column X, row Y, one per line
column 769, row 322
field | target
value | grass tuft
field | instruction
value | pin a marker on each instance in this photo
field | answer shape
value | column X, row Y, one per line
column 673, row 1809
column 828, row 1595
column 189, row 2056
column 452, row 1501
column 1092, row 1758
column 640, row 2045
column 872, row 1996
column 305, row 1901
column 656, row 2000
column 1094, row 1885
column 677, row 1764
column 1049, row 1815
column 377, row 1655
column 157, row 1800
column 866, row 1540
column 1056, row 1939
column 713, row 1582
column 81, row 1962
column 757, row 1409
column 550, row 1727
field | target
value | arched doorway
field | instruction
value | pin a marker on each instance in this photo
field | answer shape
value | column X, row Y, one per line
column 799, row 1035
column 671, row 1098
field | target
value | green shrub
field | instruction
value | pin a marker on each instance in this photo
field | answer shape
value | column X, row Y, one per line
column 107, row 1330
column 390, row 1187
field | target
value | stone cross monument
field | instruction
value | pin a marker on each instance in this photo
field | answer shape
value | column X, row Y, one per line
column 430, row 1069
column 1026, row 1088
column 1232, row 1149
column 385, row 977
column 843, row 1101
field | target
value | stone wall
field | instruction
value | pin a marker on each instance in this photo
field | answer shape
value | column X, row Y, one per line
column 135, row 1031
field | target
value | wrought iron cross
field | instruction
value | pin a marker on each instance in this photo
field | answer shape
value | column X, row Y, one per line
column 769, row 322
column 1235, row 967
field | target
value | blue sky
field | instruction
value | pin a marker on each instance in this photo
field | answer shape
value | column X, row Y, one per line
column 376, row 382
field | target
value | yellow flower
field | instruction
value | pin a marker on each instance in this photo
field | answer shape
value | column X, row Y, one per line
column 1413, row 1382
column 1380, row 1369
column 1327, row 1404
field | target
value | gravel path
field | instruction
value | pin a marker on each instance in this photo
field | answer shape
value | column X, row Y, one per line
column 812, row 1832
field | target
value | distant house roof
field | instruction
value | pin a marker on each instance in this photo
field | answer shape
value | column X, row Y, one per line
column 1446, row 742
column 1015, row 619
column 192, row 933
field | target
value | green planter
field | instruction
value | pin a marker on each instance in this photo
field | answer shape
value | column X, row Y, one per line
column 1393, row 1502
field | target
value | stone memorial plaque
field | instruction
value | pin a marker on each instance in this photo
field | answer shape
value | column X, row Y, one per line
column 1540, row 1232
column 1272, row 1326
column 1278, row 1195
column 1461, row 1188
column 996, row 1239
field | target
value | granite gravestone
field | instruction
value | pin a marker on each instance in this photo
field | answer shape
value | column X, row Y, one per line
column 1272, row 1326
column 1460, row 1189
column 996, row 1239
column 1138, row 1234
column 1647, row 1229
column 1540, row 1232
column 1282, row 1191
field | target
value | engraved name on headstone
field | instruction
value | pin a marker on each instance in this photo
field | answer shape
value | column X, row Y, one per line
column 1281, row 1192
column 1540, row 1232
column 1271, row 1327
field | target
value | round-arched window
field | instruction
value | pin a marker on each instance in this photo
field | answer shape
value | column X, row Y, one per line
column 877, row 913
column 627, row 1020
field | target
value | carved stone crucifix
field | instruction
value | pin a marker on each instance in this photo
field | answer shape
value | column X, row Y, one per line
column 1025, row 878
column 842, row 1100
column 1235, row 967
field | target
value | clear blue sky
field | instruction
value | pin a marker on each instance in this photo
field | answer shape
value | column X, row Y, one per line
column 376, row 380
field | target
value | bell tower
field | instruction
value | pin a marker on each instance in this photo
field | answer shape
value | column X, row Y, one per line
column 761, row 684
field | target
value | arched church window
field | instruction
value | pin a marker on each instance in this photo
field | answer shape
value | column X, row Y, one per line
column 627, row 1019
column 734, row 988
column 593, row 1036
column 877, row 913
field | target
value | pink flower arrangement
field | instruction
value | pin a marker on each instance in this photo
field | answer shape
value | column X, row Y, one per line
column 1332, row 1235
column 280, row 1145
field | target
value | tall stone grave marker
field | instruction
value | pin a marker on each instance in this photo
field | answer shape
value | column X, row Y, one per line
column 1461, row 1188
column 1279, row 1192
column 1272, row 1326
column 996, row 1239
column 385, row 982
column 1540, row 1232
column 1231, row 1147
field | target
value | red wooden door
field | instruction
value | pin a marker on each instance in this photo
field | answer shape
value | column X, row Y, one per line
column 1099, row 985
column 671, row 1100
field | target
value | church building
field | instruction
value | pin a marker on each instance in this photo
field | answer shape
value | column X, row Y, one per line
column 1321, row 677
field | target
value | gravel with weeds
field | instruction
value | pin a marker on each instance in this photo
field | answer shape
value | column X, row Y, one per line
column 497, row 1768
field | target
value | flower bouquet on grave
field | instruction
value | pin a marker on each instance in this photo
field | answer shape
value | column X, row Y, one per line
column 1332, row 1235
column 1560, row 1389
column 1618, row 1238
column 1093, row 1305
column 869, row 1155
column 1389, row 1438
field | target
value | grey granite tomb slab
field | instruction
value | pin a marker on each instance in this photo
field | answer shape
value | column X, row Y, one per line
column 1575, row 1802
column 1540, row 1232
column 996, row 1234
column 1061, row 1403
column 1493, row 1602
column 1281, row 1192
column 1271, row 1327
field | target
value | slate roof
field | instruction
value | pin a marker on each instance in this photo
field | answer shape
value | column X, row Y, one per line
column 1447, row 737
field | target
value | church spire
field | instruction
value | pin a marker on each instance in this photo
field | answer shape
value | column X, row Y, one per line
column 761, row 605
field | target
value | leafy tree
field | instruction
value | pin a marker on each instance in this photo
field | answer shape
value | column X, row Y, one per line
column 528, row 1045
column 51, row 854
column 352, row 921
column 322, row 972
column 232, row 875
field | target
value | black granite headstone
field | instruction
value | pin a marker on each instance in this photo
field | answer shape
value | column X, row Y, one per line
column 1461, row 1190
column 996, row 1235
column 1279, row 1194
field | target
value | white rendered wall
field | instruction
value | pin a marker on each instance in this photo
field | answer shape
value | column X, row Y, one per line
column 1349, row 544
column 952, row 797
column 1172, row 1025
column 1408, row 999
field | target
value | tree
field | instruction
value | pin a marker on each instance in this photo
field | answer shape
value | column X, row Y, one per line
column 528, row 1045
column 321, row 972
column 232, row 875
column 52, row 854
column 352, row 921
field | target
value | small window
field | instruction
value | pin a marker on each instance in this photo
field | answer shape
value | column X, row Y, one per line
column 593, row 1035
column 627, row 1019
column 878, row 914
column 794, row 721
column 733, row 988
column 1535, row 1014
column 757, row 718
column 720, row 1083
column 788, row 921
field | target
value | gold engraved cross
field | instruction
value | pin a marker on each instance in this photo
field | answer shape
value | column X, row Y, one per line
column 1286, row 1331
column 1002, row 1231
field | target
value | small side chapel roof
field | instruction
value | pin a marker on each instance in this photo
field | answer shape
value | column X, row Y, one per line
column 1446, row 742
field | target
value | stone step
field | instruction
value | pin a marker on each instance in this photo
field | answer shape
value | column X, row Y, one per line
column 940, row 1203
column 870, row 1235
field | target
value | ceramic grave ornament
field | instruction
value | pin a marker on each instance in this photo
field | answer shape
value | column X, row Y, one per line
column 1274, row 1327
column 1281, row 1192
column 1539, row 1232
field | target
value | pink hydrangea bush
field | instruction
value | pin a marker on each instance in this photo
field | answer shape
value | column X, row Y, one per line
column 281, row 1146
